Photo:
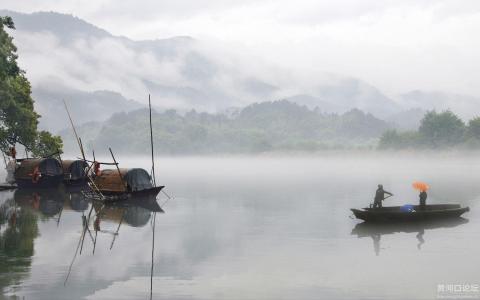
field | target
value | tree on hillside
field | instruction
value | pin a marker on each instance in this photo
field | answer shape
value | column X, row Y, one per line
column 472, row 136
column 18, row 119
column 443, row 129
column 392, row 139
column 473, row 129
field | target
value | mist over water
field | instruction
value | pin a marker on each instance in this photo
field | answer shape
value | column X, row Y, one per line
column 268, row 228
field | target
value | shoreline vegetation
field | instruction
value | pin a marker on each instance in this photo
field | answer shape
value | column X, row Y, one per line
column 261, row 127
column 437, row 131
column 274, row 127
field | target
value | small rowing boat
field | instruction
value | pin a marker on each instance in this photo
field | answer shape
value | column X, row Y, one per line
column 408, row 213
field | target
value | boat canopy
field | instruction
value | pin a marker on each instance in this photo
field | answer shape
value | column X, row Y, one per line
column 133, row 180
column 46, row 166
column 75, row 169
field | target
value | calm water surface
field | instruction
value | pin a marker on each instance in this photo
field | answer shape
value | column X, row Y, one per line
column 248, row 228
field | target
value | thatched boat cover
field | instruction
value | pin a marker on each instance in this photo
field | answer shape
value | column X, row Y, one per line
column 46, row 166
column 133, row 180
column 74, row 169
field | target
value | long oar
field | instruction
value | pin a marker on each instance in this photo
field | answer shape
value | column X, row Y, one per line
column 387, row 197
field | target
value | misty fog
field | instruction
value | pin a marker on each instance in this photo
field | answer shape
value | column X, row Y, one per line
column 272, row 126
column 270, row 227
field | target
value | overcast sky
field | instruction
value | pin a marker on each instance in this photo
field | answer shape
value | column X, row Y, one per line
column 395, row 45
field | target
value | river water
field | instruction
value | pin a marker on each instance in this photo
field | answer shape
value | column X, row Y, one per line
column 249, row 228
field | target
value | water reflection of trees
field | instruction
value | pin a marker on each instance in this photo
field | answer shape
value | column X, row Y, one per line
column 19, row 217
column 18, row 230
column 376, row 230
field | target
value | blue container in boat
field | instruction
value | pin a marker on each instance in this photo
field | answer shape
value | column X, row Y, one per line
column 407, row 208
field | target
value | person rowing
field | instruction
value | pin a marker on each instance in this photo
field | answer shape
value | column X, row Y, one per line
column 380, row 196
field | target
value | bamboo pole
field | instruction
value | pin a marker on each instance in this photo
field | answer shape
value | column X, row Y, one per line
column 81, row 147
column 102, row 163
column 151, row 141
column 118, row 169
column 74, row 130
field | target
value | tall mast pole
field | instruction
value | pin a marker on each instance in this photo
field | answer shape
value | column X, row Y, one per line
column 74, row 131
column 151, row 141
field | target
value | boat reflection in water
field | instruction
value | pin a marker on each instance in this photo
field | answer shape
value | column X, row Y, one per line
column 376, row 230
column 50, row 203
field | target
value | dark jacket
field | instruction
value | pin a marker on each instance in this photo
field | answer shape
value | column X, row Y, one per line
column 380, row 194
column 423, row 198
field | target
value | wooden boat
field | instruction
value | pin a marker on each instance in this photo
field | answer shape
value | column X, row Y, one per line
column 121, row 184
column 39, row 173
column 117, row 184
column 75, row 172
column 417, row 213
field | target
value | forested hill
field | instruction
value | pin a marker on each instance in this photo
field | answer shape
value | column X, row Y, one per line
column 260, row 127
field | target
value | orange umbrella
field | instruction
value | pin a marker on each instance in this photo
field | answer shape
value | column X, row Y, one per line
column 421, row 186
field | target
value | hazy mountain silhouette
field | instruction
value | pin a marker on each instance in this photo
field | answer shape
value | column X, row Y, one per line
column 62, row 51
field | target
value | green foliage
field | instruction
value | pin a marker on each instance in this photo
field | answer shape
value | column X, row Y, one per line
column 392, row 139
column 440, row 130
column 47, row 144
column 16, row 242
column 261, row 127
column 473, row 129
column 8, row 56
column 18, row 119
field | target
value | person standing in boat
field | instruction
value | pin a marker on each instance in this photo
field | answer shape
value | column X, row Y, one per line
column 11, row 166
column 423, row 199
column 380, row 196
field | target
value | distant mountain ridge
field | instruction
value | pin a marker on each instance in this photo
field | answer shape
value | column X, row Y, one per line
column 62, row 53
column 65, row 26
column 84, row 106
column 179, row 72
column 465, row 106
column 259, row 127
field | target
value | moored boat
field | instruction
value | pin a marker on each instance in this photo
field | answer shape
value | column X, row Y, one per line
column 120, row 184
column 39, row 173
column 75, row 172
column 410, row 213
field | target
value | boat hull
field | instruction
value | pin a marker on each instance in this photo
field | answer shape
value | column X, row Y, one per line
column 75, row 182
column 109, row 196
column 43, row 182
column 395, row 214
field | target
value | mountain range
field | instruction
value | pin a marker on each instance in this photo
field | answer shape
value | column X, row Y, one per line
column 259, row 127
column 100, row 74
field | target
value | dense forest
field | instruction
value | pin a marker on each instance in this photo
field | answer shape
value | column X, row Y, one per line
column 278, row 126
column 437, row 131
column 260, row 127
